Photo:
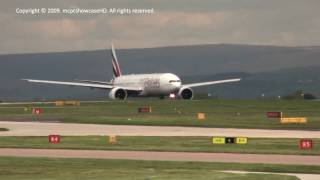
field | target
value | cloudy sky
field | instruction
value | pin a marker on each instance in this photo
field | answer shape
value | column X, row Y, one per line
column 174, row 22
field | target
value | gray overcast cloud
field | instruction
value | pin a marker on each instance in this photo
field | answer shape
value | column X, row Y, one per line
column 175, row 22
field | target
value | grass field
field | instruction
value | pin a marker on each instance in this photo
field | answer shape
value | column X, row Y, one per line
column 185, row 144
column 59, row 168
column 219, row 113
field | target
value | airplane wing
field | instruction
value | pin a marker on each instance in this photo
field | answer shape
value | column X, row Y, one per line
column 90, row 85
column 90, row 81
column 211, row 82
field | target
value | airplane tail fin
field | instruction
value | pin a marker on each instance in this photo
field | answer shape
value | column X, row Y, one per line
column 115, row 64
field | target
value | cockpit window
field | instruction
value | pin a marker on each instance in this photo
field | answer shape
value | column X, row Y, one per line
column 171, row 81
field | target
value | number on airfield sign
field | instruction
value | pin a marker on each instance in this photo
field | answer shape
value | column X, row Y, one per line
column 230, row 140
column 54, row 139
column 218, row 140
column 306, row 144
column 242, row 140
column 37, row 111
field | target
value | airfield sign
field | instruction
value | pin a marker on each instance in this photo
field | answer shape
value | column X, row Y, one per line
column 54, row 139
column 306, row 144
column 229, row 140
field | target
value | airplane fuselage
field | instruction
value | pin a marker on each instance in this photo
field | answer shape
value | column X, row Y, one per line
column 157, row 84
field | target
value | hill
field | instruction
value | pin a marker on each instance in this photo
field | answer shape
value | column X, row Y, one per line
column 271, row 70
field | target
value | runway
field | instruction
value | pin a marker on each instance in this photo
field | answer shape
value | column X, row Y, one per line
column 164, row 156
column 72, row 129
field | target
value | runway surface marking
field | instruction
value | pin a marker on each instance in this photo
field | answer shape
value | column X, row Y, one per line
column 300, row 176
column 72, row 129
column 164, row 156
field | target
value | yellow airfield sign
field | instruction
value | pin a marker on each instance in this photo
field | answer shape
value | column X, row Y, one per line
column 229, row 140
column 218, row 140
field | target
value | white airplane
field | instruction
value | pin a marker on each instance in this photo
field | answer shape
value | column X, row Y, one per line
column 139, row 85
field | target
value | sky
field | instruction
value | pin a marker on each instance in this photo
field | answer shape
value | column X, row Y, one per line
column 173, row 22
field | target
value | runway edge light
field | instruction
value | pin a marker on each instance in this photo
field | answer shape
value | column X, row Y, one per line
column 201, row 116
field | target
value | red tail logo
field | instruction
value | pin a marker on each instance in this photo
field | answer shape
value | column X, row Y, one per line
column 115, row 64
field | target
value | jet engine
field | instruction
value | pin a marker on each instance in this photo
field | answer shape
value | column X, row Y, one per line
column 185, row 93
column 118, row 93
